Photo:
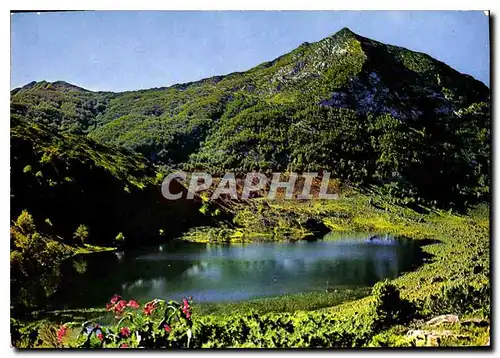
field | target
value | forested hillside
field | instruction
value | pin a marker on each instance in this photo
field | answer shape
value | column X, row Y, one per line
column 69, row 184
column 369, row 113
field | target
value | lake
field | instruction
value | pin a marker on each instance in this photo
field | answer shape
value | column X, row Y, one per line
column 233, row 272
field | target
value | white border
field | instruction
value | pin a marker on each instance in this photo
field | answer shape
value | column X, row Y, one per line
column 252, row 5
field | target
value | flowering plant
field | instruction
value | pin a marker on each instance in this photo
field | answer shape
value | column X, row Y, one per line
column 159, row 324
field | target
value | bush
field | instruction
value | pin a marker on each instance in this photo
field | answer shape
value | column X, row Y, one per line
column 120, row 239
column 32, row 279
column 81, row 234
column 25, row 222
column 460, row 299
column 390, row 308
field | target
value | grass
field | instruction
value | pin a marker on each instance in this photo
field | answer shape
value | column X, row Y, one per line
column 457, row 248
column 286, row 303
column 90, row 249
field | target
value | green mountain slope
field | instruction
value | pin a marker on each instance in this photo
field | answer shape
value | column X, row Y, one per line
column 66, row 180
column 368, row 112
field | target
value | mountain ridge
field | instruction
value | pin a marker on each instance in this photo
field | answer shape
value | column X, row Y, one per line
column 345, row 31
column 366, row 111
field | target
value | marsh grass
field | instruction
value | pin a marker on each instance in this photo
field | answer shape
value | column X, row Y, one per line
column 307, row 301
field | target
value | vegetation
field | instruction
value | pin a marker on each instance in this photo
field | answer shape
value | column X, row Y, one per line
column 406, row 136
column 81, row 234
column 159, row 324
column 64, row 180
column 110, row 190
column 367, row 112
column 454, row 280
column 33, row 259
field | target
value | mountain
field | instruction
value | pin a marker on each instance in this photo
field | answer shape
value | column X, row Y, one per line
column 370, row 113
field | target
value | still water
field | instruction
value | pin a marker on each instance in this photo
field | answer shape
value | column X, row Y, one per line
column 217, row 272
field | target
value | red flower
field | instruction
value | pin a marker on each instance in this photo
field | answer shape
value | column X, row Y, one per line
column 125, row 332
column 167, row 328
column 115, row 299
column 61, row 333
column 124, row 345
column 185, row 308
column 109, row 306
column 149, row 308
column 100, row 336
column 133, row 304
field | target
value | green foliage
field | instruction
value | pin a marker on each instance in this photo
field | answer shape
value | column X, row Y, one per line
column 87, row 180
column 81, row 234
column 160, row 324
column 461, row 298
column 389, row 308
column 32, row 277
column 25, row 222
column 80, row 266
column 60, row 105
column 400, row 125
column 84, row 179
column 372, row 114
column 274, row 331
column 307, row 301
column 442, row 285
column 120, row 238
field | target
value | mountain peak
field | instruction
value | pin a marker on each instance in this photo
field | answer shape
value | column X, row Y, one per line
column 66, row 86
column 345, row 30
column 57, row 85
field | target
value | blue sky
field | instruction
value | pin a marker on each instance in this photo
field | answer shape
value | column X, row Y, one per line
column 118, row 50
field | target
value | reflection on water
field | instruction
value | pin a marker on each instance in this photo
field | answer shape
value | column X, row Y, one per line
column 214, row 272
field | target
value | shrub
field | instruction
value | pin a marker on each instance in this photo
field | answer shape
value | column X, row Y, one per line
column 81, row 234
column 390, row 308
column 31, row 278
column 460, row 299
column 25, row 222
column 120, row 238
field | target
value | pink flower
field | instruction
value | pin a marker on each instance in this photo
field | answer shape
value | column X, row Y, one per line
column 167, row 328
column 100, row 336
column 120, row 306
column 109, row 306
column 149, row 308
column 61, row 333
column 115, row 299
column 124, row 345
column 186, row 309
column 125, row 332
column 133, row 304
